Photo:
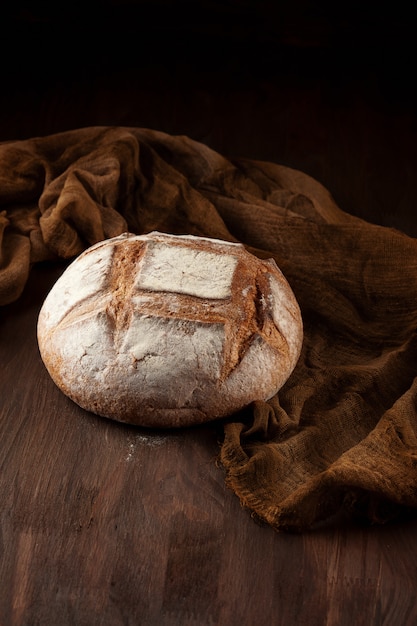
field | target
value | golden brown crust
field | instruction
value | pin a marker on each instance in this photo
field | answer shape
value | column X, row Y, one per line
column 146, row 345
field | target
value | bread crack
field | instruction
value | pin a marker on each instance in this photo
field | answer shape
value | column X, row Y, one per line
column 126, row 258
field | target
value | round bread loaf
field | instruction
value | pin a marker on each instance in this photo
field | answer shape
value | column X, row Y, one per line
column 164, row 330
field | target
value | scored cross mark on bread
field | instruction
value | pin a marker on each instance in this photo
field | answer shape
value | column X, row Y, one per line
column 177, row 317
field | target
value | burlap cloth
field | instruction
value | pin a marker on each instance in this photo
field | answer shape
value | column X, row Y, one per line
column 343, row 430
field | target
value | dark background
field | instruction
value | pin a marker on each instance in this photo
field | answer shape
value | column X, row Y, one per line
column 325, row 87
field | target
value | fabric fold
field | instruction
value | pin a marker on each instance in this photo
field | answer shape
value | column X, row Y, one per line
column 342, row 432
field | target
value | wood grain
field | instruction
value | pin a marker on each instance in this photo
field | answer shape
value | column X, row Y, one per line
column 103, row 523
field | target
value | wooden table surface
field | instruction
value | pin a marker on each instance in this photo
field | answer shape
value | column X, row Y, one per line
column 106, row 524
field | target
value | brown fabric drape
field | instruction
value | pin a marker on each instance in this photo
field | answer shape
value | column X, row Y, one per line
column 343, row 430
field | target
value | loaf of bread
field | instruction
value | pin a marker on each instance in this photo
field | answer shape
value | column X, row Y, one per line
column 164, row 330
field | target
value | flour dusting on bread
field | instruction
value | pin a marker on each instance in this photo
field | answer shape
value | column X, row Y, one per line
column 165, row 330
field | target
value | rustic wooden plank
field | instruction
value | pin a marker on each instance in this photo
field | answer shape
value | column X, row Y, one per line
column 103, row 523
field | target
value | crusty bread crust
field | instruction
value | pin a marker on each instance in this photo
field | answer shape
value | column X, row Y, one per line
column 164, row 330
